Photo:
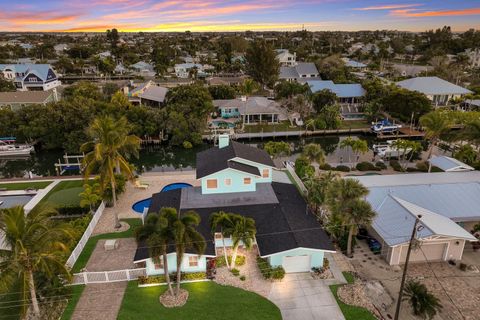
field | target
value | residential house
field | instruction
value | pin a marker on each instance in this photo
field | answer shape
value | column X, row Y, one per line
column 18, row 99
column 437, row 90
column 347, row 93
column 410, row 70
column 448, row 203
column 241, row 179
column 285, row 58
column 301, row 70
column 352, row 64
column 147, row 93
column 32, row 77
column 143, row 68
column 60, row 48
column 183, row 70
column 474, row 57
column 251, row 110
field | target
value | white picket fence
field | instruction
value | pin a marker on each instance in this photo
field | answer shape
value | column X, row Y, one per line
column 108, row 276
column 83, row 241
column 296, row 178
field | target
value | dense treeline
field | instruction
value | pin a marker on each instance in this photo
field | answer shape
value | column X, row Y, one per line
column 63, row 124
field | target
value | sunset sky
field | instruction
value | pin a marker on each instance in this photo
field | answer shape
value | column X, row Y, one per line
column 236, row 15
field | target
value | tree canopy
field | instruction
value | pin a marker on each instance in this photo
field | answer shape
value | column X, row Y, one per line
column 261, row 63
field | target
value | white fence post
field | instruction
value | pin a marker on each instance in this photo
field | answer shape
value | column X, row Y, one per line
column 85, row 278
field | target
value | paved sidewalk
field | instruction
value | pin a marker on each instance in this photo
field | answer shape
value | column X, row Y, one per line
column 300, row 297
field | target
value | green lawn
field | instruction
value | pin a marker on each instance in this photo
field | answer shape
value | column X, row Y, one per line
column 207, row 300
column 65, row 193
column 25, row 185
column 282, row 126
column 92, row 242
column 351, row 312
column 76, row 293
column 354, row 124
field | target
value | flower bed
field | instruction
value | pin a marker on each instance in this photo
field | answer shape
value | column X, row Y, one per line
column 160, row 279
column 269, row 272
column 220, row 261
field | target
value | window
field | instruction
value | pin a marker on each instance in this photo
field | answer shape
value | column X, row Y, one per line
column 228, row 182
column 212, row 184
column 247, row 180
column 158, row 264
column 218, row 235
column 265, row 173
column 193, row 261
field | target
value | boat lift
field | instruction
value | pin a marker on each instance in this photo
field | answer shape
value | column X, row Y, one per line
column 71, row 163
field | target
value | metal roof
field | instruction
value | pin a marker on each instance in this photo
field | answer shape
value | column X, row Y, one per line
column 154, row 93
column 432, row 86
column 346, row 90
column 301, row 68
column 448, row 164
column 40, row 70
column 25, row 97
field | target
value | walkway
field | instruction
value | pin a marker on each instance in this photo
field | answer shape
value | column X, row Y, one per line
column 300, row 297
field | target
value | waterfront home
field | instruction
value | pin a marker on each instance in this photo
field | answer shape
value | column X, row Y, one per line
column 352, row 64
column 447, row 201
column 285, row 58
column 184, row 70
column 18, row 99
column 251, row 110
column 147, row 93
column 347, row 93
column 301, row 70
column 143, row 68
column 30, row 76
column 437, row 90
column 241, row 179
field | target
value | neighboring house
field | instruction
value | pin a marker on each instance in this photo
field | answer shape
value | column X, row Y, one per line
column 285, row 58
column 237, row 178
column 301, row 70
column 474, row 57
column 119, row 69
column 447, row 201
column 470, row 104
column 143, row 68
column 60, row 48
column 449, row 164
column 347, row 93
column 437, row 90
column 410, row 70
column 352, row 64
column 104, row 54
column 18, row 99
column 251, row 110
column 32, row 77
column 182, row 70
column 147, row 93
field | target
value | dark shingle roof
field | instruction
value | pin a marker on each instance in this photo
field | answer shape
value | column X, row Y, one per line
column 281, row 226
column 243, row 167
column 216, row 159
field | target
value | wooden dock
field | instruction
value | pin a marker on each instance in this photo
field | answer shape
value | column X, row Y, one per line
column 403, row 133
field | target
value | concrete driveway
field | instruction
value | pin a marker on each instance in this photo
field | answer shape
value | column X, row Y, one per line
column 300, row 297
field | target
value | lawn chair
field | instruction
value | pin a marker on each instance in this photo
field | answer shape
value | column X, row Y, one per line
column 141, row 185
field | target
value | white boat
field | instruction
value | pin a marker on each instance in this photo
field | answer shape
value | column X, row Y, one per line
column 385, row 126
column 9, row 149
column 389, row 150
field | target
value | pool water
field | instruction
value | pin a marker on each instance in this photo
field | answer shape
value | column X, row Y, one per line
column 12, row 201
column 140, row 206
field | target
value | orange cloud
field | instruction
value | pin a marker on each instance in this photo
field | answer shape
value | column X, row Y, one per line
column 20, row 18
column 409, row 13
column 388, row 7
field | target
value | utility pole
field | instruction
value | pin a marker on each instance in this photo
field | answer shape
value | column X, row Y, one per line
column 402, row 284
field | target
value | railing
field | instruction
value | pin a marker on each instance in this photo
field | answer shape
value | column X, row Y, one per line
column 108, row 276
column 297, row 179
column 83, row 241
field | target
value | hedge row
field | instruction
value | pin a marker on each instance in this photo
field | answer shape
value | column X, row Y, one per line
column 220, row 261
column 269, row 272
column 173, row 277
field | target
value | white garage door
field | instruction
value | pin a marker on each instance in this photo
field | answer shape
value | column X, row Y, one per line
column 296, row 264
column 433, row 252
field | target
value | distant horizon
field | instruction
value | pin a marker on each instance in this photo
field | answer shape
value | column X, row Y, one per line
column 166, row 16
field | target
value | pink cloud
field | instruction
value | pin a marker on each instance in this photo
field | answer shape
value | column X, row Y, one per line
column 413, row 13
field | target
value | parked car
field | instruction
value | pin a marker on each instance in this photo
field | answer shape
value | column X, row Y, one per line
column 374, row 246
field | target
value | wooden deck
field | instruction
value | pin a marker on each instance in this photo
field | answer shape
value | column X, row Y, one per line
column 403, row 133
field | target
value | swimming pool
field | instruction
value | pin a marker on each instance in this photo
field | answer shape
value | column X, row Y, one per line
column 12, row 201
column 145, row 203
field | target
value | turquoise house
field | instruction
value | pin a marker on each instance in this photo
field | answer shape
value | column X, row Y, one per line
column 240, row 179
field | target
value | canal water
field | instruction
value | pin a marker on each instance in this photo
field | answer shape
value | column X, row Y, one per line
column 166, row 158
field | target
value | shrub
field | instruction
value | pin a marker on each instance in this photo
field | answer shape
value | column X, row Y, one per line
column 235, row 272
column 72, row 211
column 343, row 241
column 381, row 165
column 436, row 169
column 187, row 145
column 303, row 168
column 278, row 273
column 342, row 168
column 151, row 279
column 173, row 277
column 326, row 263
column 239, row 261
column 194, row 276
column 463, row 267
column 366, row 166
column 243, row 278
column 422, row 166
column 264, row 267
column 410, row 169
column 326, row 167
column 396, row 165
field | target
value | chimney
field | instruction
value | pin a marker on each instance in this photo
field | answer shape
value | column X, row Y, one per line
column 223, row 141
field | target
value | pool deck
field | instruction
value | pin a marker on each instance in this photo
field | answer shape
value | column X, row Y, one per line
column 156, row 182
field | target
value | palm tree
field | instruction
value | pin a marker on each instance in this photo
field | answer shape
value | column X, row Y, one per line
column 359, row 147
column 471, row 132
column 36, row 246
column 405, row 145
column 435, row 124
column 157, row 233
column 344, row 200
column 249, row 87
column 90, row 196
column 108, row 152
column 314, row 153
column 424, row 304
column 186, row 236
column 244, row 230
column 346, row 144
column 223, row 221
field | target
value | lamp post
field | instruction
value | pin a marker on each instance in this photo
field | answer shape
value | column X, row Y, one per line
column 402, row 284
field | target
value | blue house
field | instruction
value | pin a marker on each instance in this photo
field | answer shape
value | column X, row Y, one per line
column 349, row 93
column 239, row 178
column 31, row 76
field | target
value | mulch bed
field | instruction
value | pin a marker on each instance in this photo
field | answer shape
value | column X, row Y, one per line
column 178, row 300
